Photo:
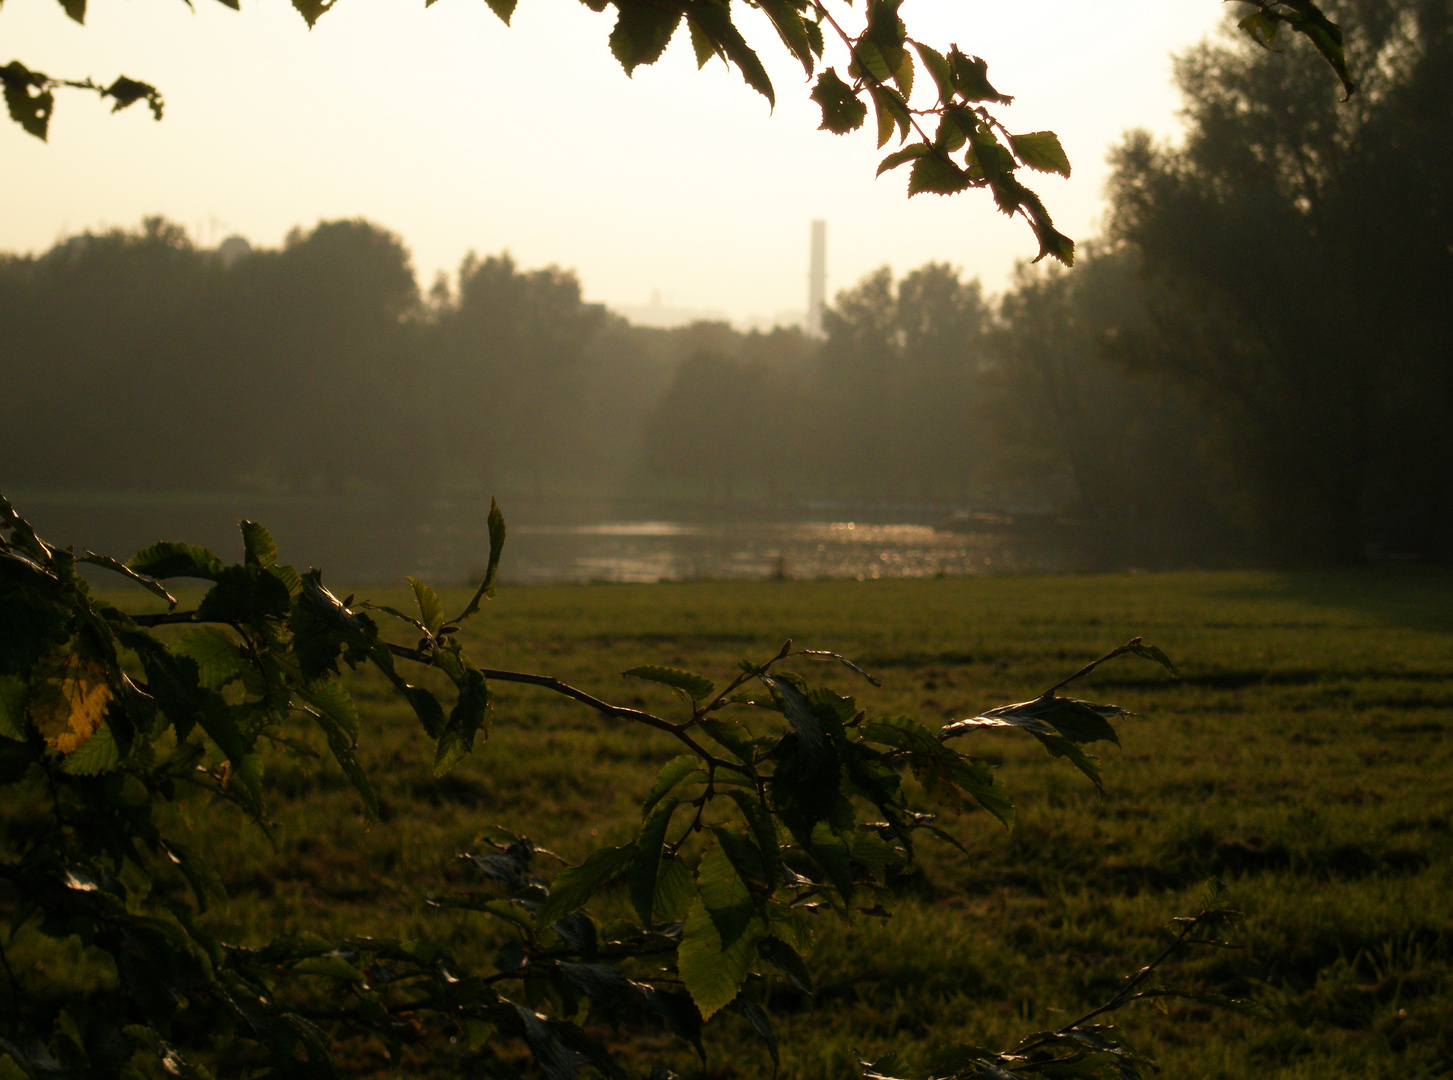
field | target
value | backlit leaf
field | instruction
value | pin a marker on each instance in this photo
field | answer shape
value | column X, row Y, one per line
column 841, row 110
column 1041, row 151
column 575, row 885
column 68, row 699
column 431, row 609
column 697, row 687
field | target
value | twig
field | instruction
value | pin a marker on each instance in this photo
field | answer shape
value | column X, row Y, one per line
column 1125, row 994
column 1092, row 665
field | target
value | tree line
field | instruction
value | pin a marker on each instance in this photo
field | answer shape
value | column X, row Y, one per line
column 1253, row 358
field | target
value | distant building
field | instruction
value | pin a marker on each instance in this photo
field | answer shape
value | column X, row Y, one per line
column 233, row 250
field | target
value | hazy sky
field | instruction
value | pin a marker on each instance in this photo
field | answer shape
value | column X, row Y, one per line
column 458, row 133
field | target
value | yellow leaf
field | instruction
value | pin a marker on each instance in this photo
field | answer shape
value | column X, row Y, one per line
column 68, row 699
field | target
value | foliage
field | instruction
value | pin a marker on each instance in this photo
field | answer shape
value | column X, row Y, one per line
column 969, row 147
column 1298, row 252
column 761, row 830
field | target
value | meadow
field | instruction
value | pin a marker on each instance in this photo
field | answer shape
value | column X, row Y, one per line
column 1302, row 759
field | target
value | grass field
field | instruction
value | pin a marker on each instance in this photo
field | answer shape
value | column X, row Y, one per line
column 1303, row 759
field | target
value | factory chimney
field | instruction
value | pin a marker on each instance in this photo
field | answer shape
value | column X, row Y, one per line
column 817, row 278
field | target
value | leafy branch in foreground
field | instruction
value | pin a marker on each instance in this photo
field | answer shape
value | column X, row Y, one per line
column 789, row 806
column 881, row 69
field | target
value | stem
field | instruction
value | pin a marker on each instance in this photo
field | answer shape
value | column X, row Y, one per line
column 1125, row 993
column 1092, row 665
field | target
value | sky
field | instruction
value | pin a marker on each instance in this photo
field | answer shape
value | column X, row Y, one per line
column 459, row 133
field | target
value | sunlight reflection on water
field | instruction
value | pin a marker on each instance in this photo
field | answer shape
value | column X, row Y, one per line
column 649, row 551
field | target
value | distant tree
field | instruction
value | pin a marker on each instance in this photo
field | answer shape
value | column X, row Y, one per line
column 1137, row 450
column 1304, row 254
column 898, row 381
column 507, row 356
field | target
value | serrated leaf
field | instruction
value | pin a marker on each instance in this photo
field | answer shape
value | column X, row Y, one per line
column 258, row 544
column 702, row 44
column 697, row 687
column 675, row 891
column 892, row 113
column 868, row 58
column 642, row 32
column 312, row 10
column 219, row 659
column 936, row 173
column 504, row 9
column 714, row 964
column 938, row 67
column 431, row 609
column 67, row 700
column 1041, row 151
column 575, row 885
column 677, row 771
column 327, row 696
column 792, row 29
column 971, row 78
column 168, row 560
column 96, row 755
column 898, row 157
column 841, row 110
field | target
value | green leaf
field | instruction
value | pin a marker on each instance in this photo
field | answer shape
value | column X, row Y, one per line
column 677, row 771
column 644, row 872
column 799, row 712
column 971, row 78
column 936, row 173
column 938, row 67
column 697, row 687
column 431, row 609
column 219, row 659
column 496, row 547
column 575, row 885
column 841, row 110
column 168, row 560
column 714, row 963
column 898, row 157
column 892, row 113
column 642, row 32
column 96, row 755
column 733, row 736
column 675, row 891
column 1041, row 151
column 792, row 29
column 257, row 542
column 764, row 833
column 328, row 697
column 12, row 708
column 702, row 44
column 75, row 10
column 785, row 959
column 245, row 594
column 868, row 59
column 715, row 22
